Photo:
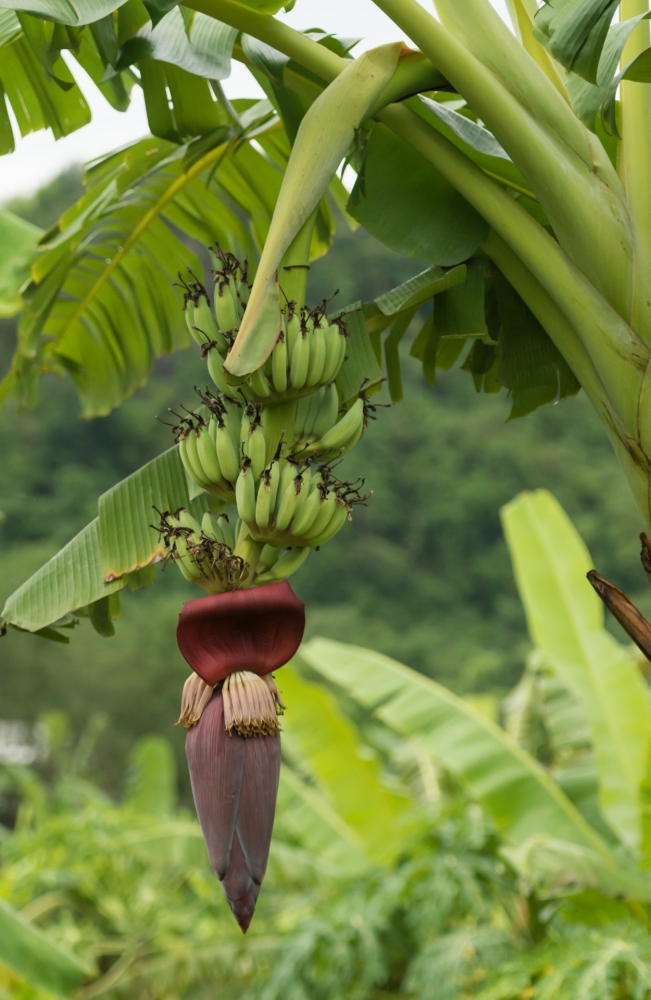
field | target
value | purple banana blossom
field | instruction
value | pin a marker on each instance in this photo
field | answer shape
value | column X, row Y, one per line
column 234, row 783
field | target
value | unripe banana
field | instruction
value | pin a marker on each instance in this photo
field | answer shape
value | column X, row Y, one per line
column 336, row 522
column 327, row 415
column 302, row 487
column 286, row 476
column 274, row 479
column 245, row 494
column 226, row 307
column 193, row 460
column 300, row 361
column 286, row 506
column 260, row 384
column 227, row 531
column 354, row 438
column 268, row 558
column 279, row 364
column 189, row 319
column 302, row 410
column 233, row 421
column 322, row 518
column 313, row 412
column 317, row 357
column 339, row 435
column 205, row 323
column 208, row 457
column 186, row 520
column 215, row 363
column 288, row 563
column 293, row 333
column 335, row 349
column 211, row 527
column 188, row 566
column 304, row 519
column 263, row 505
column 183, row 452
column 255, row 447
column 227, row 454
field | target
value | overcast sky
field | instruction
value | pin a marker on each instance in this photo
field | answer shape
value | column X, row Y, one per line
column 38, row 157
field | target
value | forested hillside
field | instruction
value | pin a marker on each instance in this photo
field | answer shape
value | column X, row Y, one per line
column 429, row 583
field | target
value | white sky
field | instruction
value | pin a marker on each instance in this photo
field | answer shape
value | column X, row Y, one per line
column 38, row 157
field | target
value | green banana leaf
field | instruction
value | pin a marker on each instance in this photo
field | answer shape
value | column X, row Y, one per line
column 515, row 791
column 151, row 778
column 17, row 247
column 323, row 138
column 566, row 621
column 72, row 12
column 32, row 954
column 72, row 579
column 318, row 735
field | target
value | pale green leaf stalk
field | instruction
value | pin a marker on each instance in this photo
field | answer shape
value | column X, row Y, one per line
column 324, row 135
column 566, row 621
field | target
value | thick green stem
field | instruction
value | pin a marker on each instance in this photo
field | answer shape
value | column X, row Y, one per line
column 630, row 455
column 295, row 265
column 615, row 351
column 522, row 13
column 590, row 220
column 635, row 168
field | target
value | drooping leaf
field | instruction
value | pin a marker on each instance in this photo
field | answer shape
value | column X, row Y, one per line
column 324, row 136
column 305, row 816
column 72, row 12
column 17, row 247
column 565, row 619
column 575, row 31
column 204, row 50
column 126, row 512
column 468, row 131
column 406, row 204
column 531, row 366
column 516, row 791
column 71, row 579
column 326, row 743
column 34, row 956
column 361, row 367
column 419, row 289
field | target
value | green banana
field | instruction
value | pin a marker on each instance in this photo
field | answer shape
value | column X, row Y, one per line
column 193, row 460
column 226, row 307
column 215, row 363
column 204, row 322
column 322, row 518
column 317, row 357
column 245, row 494
column 293, row 333
column 208, row 457
column 263, row 504
column 274, row 479
column 333, row 340
column 183, row 452
column 268, row 557
column 260, row 384
column 288, row 563
column 302, row 485
column 186, row 520
column 300, row 361
column 335, row 523
column 286, row 506
column 227, row 531
column 315, row 404
column 227, row 454
column 279, row 364
column 338, row 436
column 327, row 415
column 189, row 319
column 188, row 566
column 304, row 518
column 255, row 447
column 211, row 527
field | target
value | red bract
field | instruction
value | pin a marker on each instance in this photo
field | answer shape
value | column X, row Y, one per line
column 258, row 629
column 234, row 784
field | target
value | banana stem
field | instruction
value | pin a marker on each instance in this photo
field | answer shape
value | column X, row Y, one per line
column 635, row 167
column 590, row 220
column 295, row 265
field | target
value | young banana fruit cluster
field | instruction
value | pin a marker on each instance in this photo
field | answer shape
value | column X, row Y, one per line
column 308, row 353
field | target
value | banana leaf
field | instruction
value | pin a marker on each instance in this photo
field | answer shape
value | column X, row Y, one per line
column 33, row 955
column 17, row 241
column 514, row 789
column 566, row 621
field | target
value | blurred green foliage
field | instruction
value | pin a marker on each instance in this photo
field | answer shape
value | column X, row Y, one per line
column 422, row 574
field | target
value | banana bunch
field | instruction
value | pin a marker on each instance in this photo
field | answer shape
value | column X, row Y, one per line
column 208, row 553
column 318, row 433
column 308, row 353
column 211, row 449
column 292, row 506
